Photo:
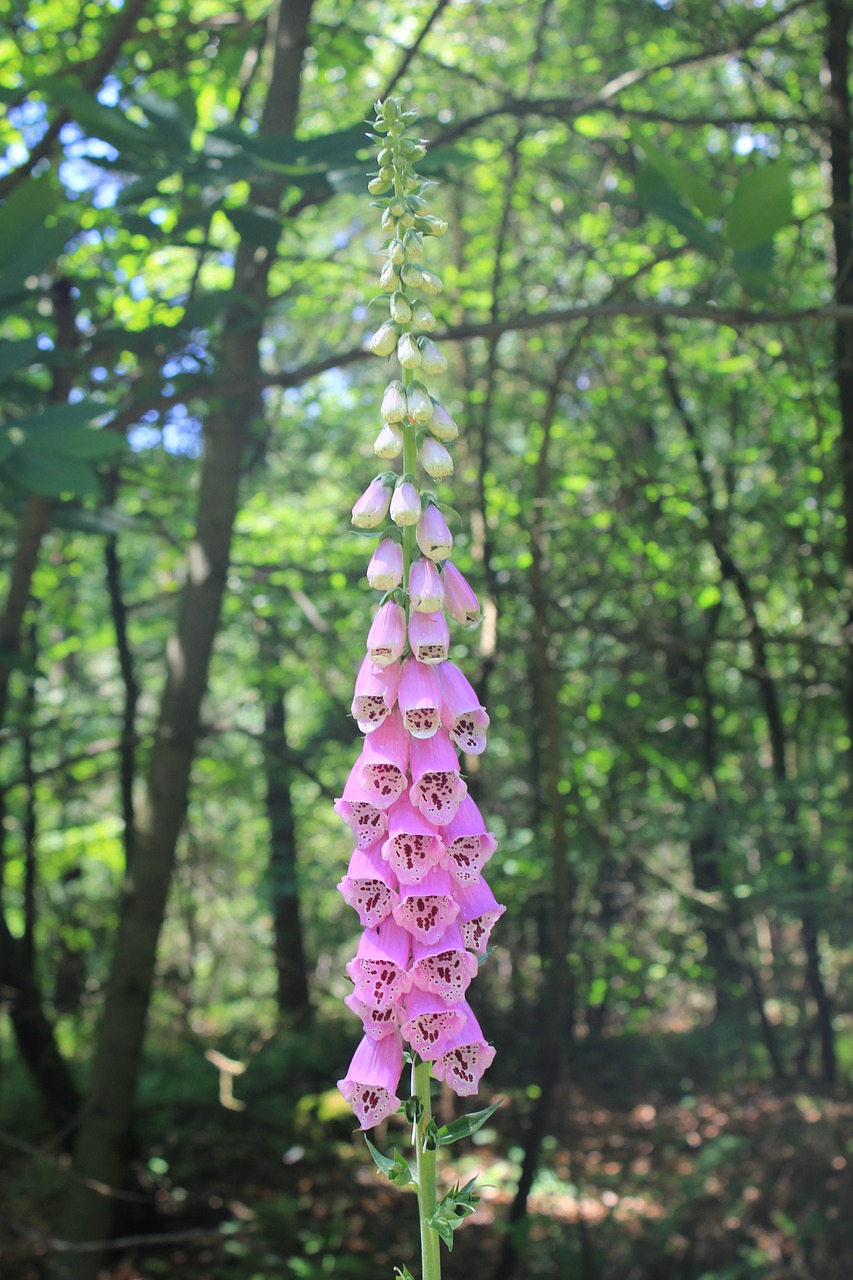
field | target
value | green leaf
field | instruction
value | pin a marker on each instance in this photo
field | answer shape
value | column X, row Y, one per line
column 395, row 1168
column 61, row 417
column 7, row 446
column 18, row 355
column 107, row 521
column 110, row 124
column 77, row 442
column 754, row 268
column 693, row 188
column 465, row 1125
column 260, row 228
column 404, row 1273
column 657, row 196
column 51, row 475
column 452, row 1211
column 761, row 206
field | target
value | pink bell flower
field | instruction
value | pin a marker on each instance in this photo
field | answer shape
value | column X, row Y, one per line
column 372, row 1079
column 405, row 504
column 420, row 699
column 431, row 1024
column 413, row 846
column 478, row 912
column 387, row 634
column 379, row 967
column 377, row 1023
column 429, row 636
column 462, row 1064
column 369, row 887
column 375, row 694
column 442, row 425
column 436, row 787
column 385, row 571
column 425, row 910
column 459, row 598
column 426, row 590
column 356, row 807
column 435, row 459
column 372, row 507
column 469, row 845
column 443, row 968
column 433, row 534
column 462, row 713
column 383, row 761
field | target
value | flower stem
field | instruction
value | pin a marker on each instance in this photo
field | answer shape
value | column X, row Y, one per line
column 425, row 1172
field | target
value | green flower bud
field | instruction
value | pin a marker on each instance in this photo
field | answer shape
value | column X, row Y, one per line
column 387, row 173
column 418, row 205
column 419, row 403
column 430, row 283
column 378, row 186
column 389, row 279
column 388, row 110
column 429, row 225
column 389, row 442
column 388, row 220
column 432, row 361
column 396, row 252
column 400, row 309
column 394, row 403
column 384, row 339
column 408, row 352
column 411, row 149
column 413, row 245
column 412, row 276
column 386, row 156
column 422, row 317
column 407, row 219
column 397, row 208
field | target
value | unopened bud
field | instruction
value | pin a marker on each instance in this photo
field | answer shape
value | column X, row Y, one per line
column 400, row 309
column 384, row 339
column 408, row 351
column 442, row 425
column 419, row 402
column 430, row 282
column 396, row 253
column 386, row 156
column 397, row 208
column 432, row 361
column 378, row 186
column 394, row 402
column 388, row 220
column 412, row 276
column 418, row 205
column 389, row 442
column 405, row 504
column 411, row 149
column 413, row 245
column 389, row 279
column 435, row 459
column 422, row 317
column 429, row 225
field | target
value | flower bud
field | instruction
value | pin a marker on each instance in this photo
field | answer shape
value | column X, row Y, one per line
column 389, row 279
column 396, row 252
column 378, row 186
column 411, row 149
column 389, row 442
column 433, row 535
column 386, row 173
column 413, row 245
column 394, row 402
column 386, row 156
column 435, row 459
column 460, row 600
column 412, row 276
column 388, row 110
column 407, row 219
column 388, row 220
column 432, row 361
column 408, row 351
column 400, row 309
column 422, row 317
column 372, row 507
column 426, row 590
column 429, row 225
column 419, row 403
column 442, row 425
column 396, row 207
column 419, row 206
column 385, row 571
column 384, row 339
column 430, row 283
column 405, row 504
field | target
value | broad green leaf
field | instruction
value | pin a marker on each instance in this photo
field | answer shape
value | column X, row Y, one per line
column 110, row 124
column 465, row 1125
column 51, row 475
column 691, row 186
column 76, row 442
column 259, row 228
column 18, row 355
column 754, row 268
column 107, row 521
column 655, row 194
column 61, row 416
column 395, row 1168
column 7, row 447
column 761, row 206
column 452, row 1211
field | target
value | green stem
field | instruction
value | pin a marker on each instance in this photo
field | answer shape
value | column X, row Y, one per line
column 425, row 1172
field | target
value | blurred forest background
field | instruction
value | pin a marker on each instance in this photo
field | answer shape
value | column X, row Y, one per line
column 648, row 314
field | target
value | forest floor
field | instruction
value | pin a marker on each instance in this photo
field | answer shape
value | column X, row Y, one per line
column 640, row 1179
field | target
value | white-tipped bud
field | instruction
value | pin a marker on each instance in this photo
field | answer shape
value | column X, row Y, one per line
column 413, row 245
column 422, row 317
column 412, row 276
column 400, row 309
column 430, row 283
column 389, row 279
column 419, row 403
column 435, row 459
column 430, row 225
column 388, row 220
column 389, row 442
column 386, row 156
column 396, row 252
column 411, row 149
column 432, row 361
column 394, row 402
column 442, row 425
column 396, row 207
column 384, row 339
column 405, row 504
column 408, row 351
column 378, row 186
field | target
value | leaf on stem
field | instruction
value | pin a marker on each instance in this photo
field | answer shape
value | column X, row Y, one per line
column 452, row 1211
column 395, row 1168
column 465, row 1125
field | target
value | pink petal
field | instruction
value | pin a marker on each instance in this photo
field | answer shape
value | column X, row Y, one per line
column 372, row 1079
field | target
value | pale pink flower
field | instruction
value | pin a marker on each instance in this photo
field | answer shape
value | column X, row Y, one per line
column 436, row 787
column 419, row 696
column 433, row 535
column 419, row 402
column 389, row 442
column 469, row 845
column 372, row 507
column 478, row 912
column 425, row 910
column 372, row 1079
column 405, row 504
column 443, row 968
column 430, row 1023
column 375, row 694
column 413, row 846
column 459, row 599
column 377, row 1023
column 356, row 807
column 385, row 571
column 462, row 713
column 426, row 590
column 383, row 761
column 429, row 636
column 394, row 403
column 467, row 1057
column 369, row 887
column 379, row 967
column 442, row 425
column 387, row 634
column 435, row 459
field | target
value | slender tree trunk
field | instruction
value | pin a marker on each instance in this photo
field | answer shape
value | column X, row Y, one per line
column 103, row 1140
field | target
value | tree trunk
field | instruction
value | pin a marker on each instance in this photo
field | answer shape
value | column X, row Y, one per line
column 103, row 1140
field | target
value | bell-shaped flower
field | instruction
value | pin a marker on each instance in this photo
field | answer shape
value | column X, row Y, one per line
column 387, row 634
column 379, row 967
column 389, row 278
column 442, row 425
column 469, row 845
column 372, row 1079
column 405, row 504
column 389, row 442
column 425, row 910
column 426, row 589
column 364, row 818
column 419, row 697
column 419, row 403
column 400, row 308
column 384, row 339
column 433, row 535
column 462, row 1064
column 462, row 714
column 435, row 459
column 431, row 1024
column 375, row 694
column 385, row 571
column 432, row 361
column 460, row 601
column 372, row 507
column 479, row 910
column 383, row 761
column 413, row 846
column 369, row 887
column 429, row 636
column 443, row 968
column 436, row 787
column 377, row 1023
column 408, row 351
column 422, row 317
column 394, row 402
